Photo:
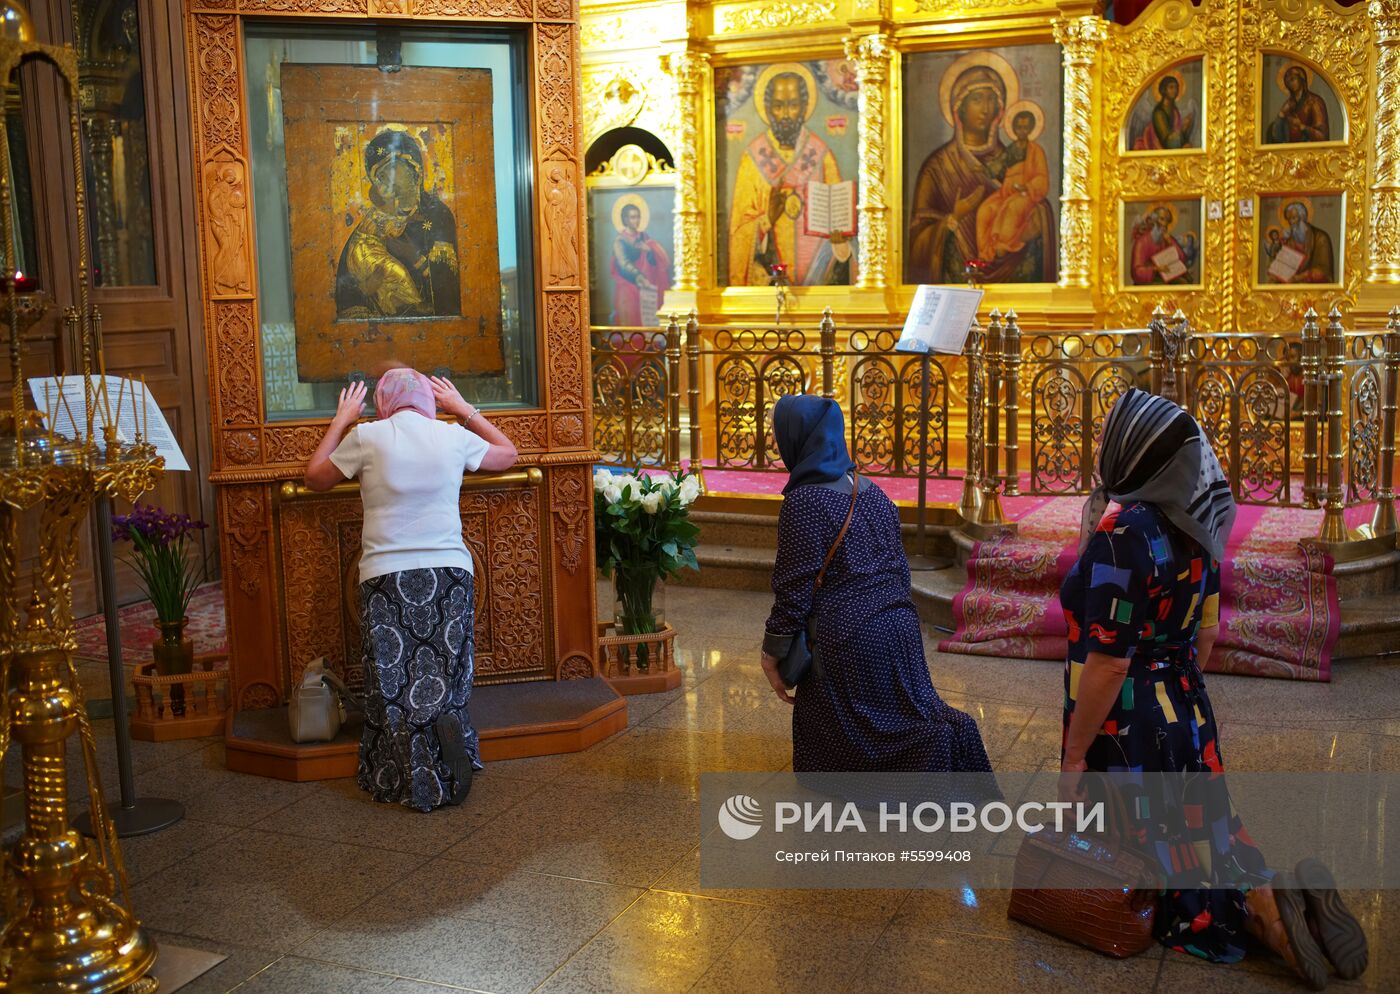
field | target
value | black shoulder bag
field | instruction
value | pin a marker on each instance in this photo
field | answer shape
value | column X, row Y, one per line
column 794, row 666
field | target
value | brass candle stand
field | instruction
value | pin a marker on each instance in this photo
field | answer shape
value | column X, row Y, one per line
column 68, row 924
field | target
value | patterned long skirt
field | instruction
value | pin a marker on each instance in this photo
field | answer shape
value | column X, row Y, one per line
column 1163, row 722
column 416, row 627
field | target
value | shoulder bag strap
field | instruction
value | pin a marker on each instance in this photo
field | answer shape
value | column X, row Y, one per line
column 845, row 526
column 346, row 696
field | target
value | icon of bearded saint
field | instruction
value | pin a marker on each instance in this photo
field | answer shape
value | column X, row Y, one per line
column 400, row 260
column 767, row 217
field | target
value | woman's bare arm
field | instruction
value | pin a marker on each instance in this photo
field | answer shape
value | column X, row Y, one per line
column 501, row 453
column 321, row 473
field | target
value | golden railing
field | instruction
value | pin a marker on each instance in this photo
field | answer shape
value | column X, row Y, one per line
column 1305, row 420
column 636, row 395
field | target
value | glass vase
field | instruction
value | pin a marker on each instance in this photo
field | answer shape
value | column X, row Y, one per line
column 174, row 655
column 639, row 609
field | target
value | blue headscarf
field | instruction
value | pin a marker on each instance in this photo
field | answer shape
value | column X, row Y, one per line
column 811, row 436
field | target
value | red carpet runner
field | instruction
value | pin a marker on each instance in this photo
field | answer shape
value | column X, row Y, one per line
column 1280, row 613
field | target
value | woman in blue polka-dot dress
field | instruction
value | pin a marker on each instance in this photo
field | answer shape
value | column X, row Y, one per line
column 868, row 704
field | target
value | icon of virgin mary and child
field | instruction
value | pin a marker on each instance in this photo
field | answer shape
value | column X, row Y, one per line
column 400, row 261
column 979, row 198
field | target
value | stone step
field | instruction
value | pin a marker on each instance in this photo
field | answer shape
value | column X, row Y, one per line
column 1368, row 577
column 724, row 529
column 934, row 591
column 1370, row 627
column 729, row 567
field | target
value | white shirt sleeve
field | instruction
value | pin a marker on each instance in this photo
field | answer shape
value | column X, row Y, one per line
column 348, row 456
column 475, row 449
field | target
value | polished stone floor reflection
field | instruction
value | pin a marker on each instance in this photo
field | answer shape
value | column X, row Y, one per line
column 581, row 874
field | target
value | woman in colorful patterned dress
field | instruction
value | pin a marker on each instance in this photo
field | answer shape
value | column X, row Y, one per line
column 1142, row 607
column 868, row 704
column 418, row 748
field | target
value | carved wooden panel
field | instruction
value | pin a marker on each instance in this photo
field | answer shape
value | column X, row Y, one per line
column 227, row 239
column 473, row 8
column 564, row 342
column 527, row 431
column 320, row 542
column 245, row 520
column 241, row 447
column 245, row 525
column 235, row 351
column 570, row 500
column 577, row 667
column 554, row 76
column 218, row 103
column 292, row 444
column 568, row 429
column 555, row 10
column 561, row 224
column 304, row 6
column 576, row 601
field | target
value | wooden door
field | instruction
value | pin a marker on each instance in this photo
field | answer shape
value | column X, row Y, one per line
column 141, row 251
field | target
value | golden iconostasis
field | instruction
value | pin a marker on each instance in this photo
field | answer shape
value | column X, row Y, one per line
column 1230, row 159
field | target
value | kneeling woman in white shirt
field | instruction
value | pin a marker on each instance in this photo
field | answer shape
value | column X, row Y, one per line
column 419, row 748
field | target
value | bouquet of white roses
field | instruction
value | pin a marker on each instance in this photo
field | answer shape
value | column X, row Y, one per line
column 643, row 530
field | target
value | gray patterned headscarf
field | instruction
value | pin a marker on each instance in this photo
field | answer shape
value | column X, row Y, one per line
column 1155, row 452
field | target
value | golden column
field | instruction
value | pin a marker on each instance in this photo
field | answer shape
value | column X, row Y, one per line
column 871, row 55
column 1081, row 38
column 1385, row 181
column 690, row 72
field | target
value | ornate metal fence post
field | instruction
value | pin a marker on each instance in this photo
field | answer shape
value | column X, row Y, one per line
column 1161, row 372
column 1178, row 354
column 971, row 503
column 692, row 357
column 1011, row 377
column 828, row 354
column 673, row 394
column 1383, row 522
column 991, row 513
column 1311, row 362
column 1334, row 526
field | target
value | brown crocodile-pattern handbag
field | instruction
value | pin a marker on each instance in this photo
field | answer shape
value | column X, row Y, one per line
column 1093, row 890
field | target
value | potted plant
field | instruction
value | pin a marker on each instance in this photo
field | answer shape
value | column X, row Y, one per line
column 159, row 544
column 644, row 534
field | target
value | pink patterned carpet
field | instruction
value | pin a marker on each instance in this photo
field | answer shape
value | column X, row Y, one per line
column 138, row 628
column 1280, row 614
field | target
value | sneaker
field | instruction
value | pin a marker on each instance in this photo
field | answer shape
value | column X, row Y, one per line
column 1338, row 931
column 1307, row 960
column 452, row 742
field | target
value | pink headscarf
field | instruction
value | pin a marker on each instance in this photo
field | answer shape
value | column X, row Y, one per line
column 404, row 389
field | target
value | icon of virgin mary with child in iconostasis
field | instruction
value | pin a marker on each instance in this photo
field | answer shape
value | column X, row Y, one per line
column 983, row 196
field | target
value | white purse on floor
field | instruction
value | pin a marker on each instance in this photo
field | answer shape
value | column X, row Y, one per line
column 317, row 708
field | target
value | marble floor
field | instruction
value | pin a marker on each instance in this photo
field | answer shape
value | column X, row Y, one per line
column 580, row 873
